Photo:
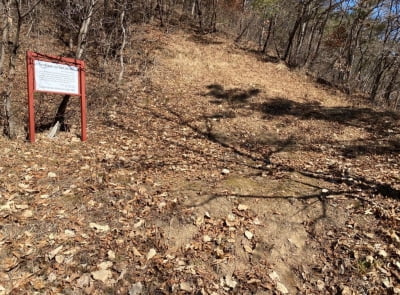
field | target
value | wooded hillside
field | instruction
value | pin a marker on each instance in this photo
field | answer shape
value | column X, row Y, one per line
column 347, row 44
column 232, row 149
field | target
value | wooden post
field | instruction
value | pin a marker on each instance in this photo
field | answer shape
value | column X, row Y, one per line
column 83, row 100
column 31, row 104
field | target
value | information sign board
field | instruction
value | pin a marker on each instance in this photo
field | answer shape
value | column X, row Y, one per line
column 54, row 74
column 55, row 77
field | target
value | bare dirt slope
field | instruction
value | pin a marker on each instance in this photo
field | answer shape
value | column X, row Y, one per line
column 211, row 172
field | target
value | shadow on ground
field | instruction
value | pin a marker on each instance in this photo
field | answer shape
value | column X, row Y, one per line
column 370, row 120
column 383, row 126
column 234, row 95
column 203, row 40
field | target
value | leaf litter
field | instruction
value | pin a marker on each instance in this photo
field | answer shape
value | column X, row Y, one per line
column 294, row 203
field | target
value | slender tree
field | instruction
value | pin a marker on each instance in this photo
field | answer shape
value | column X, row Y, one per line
column 15, row 13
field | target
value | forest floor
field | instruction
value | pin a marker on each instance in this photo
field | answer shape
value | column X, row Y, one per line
column 211, row 171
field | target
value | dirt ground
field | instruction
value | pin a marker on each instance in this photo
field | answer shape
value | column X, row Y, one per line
column 210, row 172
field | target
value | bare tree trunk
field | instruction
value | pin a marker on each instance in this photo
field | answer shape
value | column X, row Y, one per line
column 121, row 51
column 199, row 14
column 213, row 21
column 382, row 67
column 82, row 37
column 81, row 46
column 5, row 32
column 193, row 7
column 291, row 38
column 9, row 128
column 310, row 59
column 392, row 83
column 240, row 36
column 270, row 25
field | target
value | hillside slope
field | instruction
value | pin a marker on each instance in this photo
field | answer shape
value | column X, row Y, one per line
column 209, row 172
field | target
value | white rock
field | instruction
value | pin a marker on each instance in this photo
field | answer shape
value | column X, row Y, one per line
column 230, row 282
column 111, row 254
column 248, row 234
column 225, row 171
column 206, row 239
column 274, row 276
column 99, row 227
column 23, row 185
column 152, row 252
column 51, row 175
column 281, row 288
column 382, row 253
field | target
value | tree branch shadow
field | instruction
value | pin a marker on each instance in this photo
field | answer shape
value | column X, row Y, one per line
column 264, row 163
column 318, row 197
column 234, row 95
column 382, row 122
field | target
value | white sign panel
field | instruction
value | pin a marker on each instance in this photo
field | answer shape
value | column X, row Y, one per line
column 54, row 77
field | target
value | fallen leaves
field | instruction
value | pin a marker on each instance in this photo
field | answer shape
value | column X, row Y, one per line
column 54, row 252
column 8, row 263
column 103, row 275
column 136, row 289
column 93, row 217
column 185, row 286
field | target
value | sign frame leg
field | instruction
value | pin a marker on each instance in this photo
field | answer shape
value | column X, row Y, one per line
column 31, row 102
column 83, row 101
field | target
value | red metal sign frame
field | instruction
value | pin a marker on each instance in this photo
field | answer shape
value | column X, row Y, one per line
column 30, row 64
